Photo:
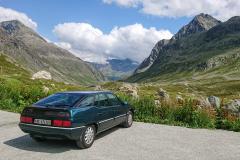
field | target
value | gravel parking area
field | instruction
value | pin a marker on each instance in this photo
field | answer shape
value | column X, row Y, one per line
column 140, row 142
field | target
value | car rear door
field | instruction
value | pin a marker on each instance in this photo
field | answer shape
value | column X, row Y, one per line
column 105, row 112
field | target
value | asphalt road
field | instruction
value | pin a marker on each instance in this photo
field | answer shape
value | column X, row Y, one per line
column 140, row 142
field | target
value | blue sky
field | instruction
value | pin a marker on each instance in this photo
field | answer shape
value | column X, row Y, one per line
column 96, row 30
column 48, row 13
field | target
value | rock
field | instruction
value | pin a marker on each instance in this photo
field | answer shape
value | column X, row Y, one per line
column 162, row 96
column 201, row 102
column 42, row 75
column 162, row 93
column 45, row 89
column 233, row 106
column 130, row 89
column 214, row 101
column 98, row 88
column 179, row 99
column 157, row 102
column 134, row 94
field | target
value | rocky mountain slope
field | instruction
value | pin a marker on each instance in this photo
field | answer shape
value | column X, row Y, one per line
column 116, row 69
column 205, row 48
column 34, row 53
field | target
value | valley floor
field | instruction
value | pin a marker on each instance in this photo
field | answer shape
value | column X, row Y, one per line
column 142, row 141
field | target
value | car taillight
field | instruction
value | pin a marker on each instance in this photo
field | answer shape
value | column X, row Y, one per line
column 61, row 123
column 24, row 119
column 66, row 124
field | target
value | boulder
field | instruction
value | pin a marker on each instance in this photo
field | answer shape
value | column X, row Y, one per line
column 163, row 94
column 179, row 99
column 130, row 89
column 214, row 101
column 98, row 88
column 201, row 102
column 42, row 75
column 157, row 102
column 233, row 106
column 45, row 89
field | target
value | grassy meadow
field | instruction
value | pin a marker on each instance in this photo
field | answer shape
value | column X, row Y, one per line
column 17, row 91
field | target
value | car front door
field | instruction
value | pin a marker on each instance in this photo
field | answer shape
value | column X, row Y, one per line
column 105, row 112
column 119, row 109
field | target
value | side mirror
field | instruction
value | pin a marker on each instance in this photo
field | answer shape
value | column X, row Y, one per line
column 125, row 103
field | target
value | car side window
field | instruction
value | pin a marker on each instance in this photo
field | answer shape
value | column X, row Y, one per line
column 101, row 100
column 88, row 101
column 113, row 99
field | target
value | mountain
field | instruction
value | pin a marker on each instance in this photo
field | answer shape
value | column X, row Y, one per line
column 34, row 53
column 116, row 69
column 203, row 48
column 201, row 22
column 147, row 63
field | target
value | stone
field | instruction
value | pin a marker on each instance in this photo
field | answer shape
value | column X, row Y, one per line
column 233, row 106
column 45, row 89
column 130, row 89
column 42, row 75
column 214, row 101
column 179, row 99
column 157, row 102
column 98, row 88
column 162, row 93
column 201, row 102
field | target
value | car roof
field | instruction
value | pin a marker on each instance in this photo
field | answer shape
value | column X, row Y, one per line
column 85, row 92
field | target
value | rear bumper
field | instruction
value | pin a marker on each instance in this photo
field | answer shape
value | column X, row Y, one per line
column 52, row 132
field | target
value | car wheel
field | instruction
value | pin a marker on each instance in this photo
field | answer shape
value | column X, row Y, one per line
column 129, row 120
column 87, row 137
column 37, row 139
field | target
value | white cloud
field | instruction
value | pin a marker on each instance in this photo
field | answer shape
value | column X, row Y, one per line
column 7, row 14
column 221, row 9
column 91, row 44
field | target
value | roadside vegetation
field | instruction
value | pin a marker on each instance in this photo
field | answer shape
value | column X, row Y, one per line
column 17, row 90
column 186, row 114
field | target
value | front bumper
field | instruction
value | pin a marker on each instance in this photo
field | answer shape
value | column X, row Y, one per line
column 52, row 132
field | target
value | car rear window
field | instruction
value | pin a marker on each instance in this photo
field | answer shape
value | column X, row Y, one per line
column 60, row 100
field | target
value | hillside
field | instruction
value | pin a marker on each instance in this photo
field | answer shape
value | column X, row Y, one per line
column 34, row 53
column 205, row 49
column 116, row 69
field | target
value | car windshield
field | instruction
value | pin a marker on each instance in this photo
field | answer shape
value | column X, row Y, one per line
column 60, row 100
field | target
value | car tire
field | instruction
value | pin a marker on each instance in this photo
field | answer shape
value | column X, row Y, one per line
column 87, row 137
column 129, row 120
column 37, row 139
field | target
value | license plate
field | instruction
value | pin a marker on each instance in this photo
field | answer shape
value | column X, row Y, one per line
column 42, row 121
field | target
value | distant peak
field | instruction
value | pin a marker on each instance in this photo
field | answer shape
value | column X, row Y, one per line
column 201, row 22
column 205, row 18
column 202, row 15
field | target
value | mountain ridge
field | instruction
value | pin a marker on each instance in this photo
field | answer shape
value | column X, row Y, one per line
column 34, row 53
column 192, row 53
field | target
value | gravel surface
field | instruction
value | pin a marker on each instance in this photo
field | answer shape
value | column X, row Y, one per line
column 140, row 142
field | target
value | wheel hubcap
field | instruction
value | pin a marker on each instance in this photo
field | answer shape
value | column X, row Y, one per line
column 89, row 135
column 130, row 119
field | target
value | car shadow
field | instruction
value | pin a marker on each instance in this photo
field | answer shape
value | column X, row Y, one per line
column 49, row 146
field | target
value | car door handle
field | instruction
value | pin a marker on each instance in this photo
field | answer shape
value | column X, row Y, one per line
column 100, row 114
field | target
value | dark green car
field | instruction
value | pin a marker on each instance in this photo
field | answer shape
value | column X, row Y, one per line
column 75, row 115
